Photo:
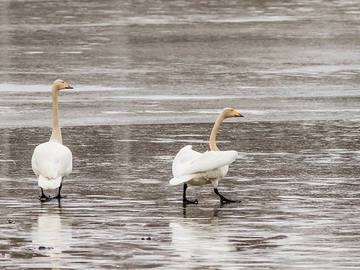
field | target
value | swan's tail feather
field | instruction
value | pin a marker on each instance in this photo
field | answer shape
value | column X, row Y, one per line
column 180, row 179
column 46, row 183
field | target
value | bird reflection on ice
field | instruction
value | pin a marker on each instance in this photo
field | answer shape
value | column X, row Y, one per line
column 204, row 244
column 52, row 236
column 206, row 238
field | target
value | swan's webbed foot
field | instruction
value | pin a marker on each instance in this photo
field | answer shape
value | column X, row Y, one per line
column 185, row 200
column 59, row 197
column 223, row 199
column 43, row 197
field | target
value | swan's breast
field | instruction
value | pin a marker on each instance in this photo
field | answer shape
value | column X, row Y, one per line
column 199, row 180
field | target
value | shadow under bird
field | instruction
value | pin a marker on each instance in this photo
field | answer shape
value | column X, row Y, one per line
column 52, row 161
column 196, row 169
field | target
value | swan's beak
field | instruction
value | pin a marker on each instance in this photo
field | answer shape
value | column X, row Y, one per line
column 238, row 114
column 68, row 86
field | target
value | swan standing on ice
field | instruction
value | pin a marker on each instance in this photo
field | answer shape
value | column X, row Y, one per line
column 193, row 168
column 51, row 161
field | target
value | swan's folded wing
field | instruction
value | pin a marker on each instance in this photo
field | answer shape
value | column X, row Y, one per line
column 66, row 162
column 208, row 161
column 185, row 155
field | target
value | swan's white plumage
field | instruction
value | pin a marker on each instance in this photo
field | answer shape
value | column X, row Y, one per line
column 189, row 165
column 46, row 183
column 51, row 161
column 180, row 179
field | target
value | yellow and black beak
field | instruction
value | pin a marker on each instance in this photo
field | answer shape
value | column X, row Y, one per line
column 238, row 114
column 68, row 86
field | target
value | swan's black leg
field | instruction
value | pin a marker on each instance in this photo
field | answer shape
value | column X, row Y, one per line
column 43, row 197
column 222, row 198
column 185, row 200
column 58, row 196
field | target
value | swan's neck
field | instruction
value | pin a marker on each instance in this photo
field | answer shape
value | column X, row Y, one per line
column 56, row 131
column 214, row 131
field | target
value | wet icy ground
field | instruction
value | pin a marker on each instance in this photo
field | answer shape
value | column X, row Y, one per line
column 149, row 78
column 298, row 182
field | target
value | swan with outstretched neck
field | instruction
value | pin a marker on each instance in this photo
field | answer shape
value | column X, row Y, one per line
column 196, row 169
column 52, row 161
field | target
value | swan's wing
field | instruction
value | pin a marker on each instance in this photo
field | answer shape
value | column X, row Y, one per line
column 66, row 161
column 189, row 162
column 185, row 155
column 51, row 160
column 208, row 161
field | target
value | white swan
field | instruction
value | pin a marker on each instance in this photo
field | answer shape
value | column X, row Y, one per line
column 51, row 161
column 196, row 169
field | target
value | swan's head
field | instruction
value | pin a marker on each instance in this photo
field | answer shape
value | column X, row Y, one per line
column 61, row 84
column 230, row 112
